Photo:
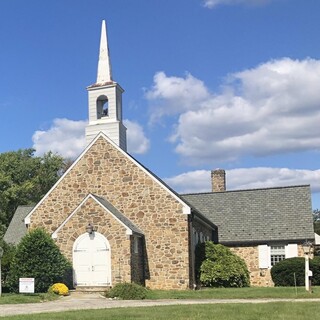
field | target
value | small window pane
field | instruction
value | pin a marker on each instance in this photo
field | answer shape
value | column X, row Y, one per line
column 277, row 254
column 136, row 245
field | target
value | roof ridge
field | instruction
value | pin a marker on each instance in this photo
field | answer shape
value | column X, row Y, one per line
column 241, row 190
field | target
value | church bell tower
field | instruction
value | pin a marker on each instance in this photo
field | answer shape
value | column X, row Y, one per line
column 105, row 100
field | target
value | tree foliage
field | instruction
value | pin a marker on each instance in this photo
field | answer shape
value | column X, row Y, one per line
column 316, row 215
column 217, row 266
column 316, row 221
column 25, row 179
column 37, row 256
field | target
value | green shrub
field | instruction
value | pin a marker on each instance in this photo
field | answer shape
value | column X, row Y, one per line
column 217, row 266
column 283, row 272
column 127, row 291
column 37, row 256
column 6, row 260
column 315, row 267
column 60, row 289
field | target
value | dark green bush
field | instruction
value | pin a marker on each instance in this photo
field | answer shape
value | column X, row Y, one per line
column 37, row 256
column 315, row 267
column 283, row 272
column 127, row 291
column 8, row 254
column 217, row 266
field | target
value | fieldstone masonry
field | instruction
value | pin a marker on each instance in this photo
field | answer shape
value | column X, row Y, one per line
column 258, row 277
column 107, row 172
column 218, row 180
column 105, row 224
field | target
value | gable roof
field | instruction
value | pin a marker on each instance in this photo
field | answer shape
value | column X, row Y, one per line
column 258, row 215
column 130, row 227
column 17, row 229
column 185, row 206
column 118, row 215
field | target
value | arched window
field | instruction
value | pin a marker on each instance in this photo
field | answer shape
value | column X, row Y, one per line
column 102, row 107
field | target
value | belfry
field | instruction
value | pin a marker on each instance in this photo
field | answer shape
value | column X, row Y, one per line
column 105, row 100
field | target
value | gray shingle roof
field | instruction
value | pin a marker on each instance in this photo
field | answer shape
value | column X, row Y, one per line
column 17, row 229
column 118, row 214
column 258, row 215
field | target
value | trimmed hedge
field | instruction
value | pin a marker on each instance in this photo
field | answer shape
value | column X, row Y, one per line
column 127, row 291
column 217, row 266
column 284, row 272
column 37, row 256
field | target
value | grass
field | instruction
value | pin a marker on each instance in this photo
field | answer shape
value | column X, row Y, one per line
column 12, row 298
column 207, row 293
column 236, row 293
column 268, row 311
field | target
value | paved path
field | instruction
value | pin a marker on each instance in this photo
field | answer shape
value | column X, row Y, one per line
column 95, row 301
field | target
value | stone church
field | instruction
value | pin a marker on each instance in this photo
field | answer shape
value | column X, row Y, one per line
column 116, row 221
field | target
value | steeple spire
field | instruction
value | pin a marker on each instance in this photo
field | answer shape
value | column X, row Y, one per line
column 104, row 67
column 105, row 100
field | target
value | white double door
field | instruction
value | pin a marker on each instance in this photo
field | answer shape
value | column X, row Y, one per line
column 92, row 260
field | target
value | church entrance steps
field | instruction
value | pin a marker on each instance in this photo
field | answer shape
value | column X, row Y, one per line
column 89, row 289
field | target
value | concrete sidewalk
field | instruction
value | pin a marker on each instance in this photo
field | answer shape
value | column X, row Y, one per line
column 83, row 301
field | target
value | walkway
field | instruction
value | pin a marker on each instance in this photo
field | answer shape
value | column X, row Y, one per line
column 95, row 301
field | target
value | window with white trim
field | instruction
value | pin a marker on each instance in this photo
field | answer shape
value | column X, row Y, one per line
column 277, row 254
column 270, row 255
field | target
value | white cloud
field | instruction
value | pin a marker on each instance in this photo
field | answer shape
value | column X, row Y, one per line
column 246, row 178
column 263, row 177
column 67, row 138
column 192, row 181
column 271, row 109
column 136, row 139
column 174, row 95
column 213, row 3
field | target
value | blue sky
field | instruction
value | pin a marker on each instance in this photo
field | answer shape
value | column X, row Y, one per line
column 231, row 84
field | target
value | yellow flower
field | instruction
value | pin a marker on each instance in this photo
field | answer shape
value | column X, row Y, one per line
column 60, row 289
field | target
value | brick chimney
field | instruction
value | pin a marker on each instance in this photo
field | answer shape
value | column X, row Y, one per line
column 218, row 180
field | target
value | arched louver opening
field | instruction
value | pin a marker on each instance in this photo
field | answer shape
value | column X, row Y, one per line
column 102, row 107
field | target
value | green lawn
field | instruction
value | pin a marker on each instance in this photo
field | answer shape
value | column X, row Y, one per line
column 236, row 293
column 208, row 293
column 11, row 298
column 268, row 311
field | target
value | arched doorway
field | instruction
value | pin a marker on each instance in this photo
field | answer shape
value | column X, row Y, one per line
column 92, row 260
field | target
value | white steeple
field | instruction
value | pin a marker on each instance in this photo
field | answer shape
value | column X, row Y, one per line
column 104, row 66
column 105, row 100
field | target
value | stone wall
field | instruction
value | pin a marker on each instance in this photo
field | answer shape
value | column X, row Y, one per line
column 105, row 171
column 258, row 277
column 107, row 225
